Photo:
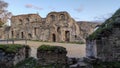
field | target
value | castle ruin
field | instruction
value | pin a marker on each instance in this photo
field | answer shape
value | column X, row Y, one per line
column 56, row 27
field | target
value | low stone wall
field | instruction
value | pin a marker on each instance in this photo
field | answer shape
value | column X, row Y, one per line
column 9, row 59
column 47, row 56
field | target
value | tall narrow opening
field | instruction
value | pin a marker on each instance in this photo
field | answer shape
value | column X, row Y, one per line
column 54, row 37
column 35, row 31
column 22, row 35
column 67, row 36
column 12, row 34
column 58, row 29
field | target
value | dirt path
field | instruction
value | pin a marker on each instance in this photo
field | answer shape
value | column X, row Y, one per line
column 74, row 50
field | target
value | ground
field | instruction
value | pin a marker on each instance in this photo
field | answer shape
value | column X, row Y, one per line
column 74, row 50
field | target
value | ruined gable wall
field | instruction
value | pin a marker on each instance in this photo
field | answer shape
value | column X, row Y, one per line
column 61, row 22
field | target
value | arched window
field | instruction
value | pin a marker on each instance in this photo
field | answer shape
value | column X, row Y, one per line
column 27, row 19
column 62, row 17
column 20, row 20
column 58, row 29
column 36, row 20
column 52, row 17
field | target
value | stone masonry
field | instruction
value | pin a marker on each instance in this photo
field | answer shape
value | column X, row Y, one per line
column 104, row 43
column 56, row 27
column 8, row 60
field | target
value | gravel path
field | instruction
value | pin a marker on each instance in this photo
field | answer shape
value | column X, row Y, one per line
column 74, row 50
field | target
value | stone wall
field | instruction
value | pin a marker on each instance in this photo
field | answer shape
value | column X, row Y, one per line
column 7, row 60
column 91, row 48
column 56, row 27
column 87, row 28
column 106, row 48
column 55, row 56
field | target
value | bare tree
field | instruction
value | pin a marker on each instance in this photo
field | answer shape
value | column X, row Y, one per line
column 4, row 14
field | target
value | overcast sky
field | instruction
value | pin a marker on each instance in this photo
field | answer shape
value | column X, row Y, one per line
column 80, row 10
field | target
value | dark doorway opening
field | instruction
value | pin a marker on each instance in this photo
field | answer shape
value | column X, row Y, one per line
column 12, row 33
column 35, row 31
column 22, row 35
column 67, row 36
column 58, row 29
column 54, row 37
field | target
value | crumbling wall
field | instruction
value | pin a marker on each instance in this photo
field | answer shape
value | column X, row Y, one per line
column 56, row 27
column 106, row 48
column 51, row 55
column 9, row 59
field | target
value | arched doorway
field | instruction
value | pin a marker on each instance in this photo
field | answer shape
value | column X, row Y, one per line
column 53, row 37
column 67, row 36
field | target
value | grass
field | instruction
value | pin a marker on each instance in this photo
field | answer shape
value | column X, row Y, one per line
column 10, row 48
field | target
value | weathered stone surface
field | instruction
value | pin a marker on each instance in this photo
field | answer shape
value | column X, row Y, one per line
column 56, row 27
column 7, row 60
column 104, row 43
column 106, row 49
column 87, row 28
column 52, row 56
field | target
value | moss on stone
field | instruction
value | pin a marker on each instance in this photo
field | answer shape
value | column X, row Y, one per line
column 10, row 48
column 51, row 48
column 105, row 27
